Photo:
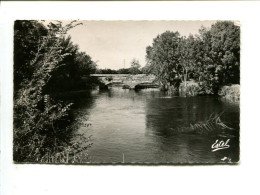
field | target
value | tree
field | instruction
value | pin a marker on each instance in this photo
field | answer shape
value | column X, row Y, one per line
column 212, row 58
column 225, row 38
column 162, row 57
column 42, row 125
column 221, row 62
column 85, row 64
column 66, row 76
column 145, row 70
column 187, row 58
column 25, row 48
column 135, row 66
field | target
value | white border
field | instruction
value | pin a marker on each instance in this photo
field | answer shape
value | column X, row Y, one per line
column 50, row 179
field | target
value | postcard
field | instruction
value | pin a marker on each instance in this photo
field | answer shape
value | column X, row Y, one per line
column 126, row 92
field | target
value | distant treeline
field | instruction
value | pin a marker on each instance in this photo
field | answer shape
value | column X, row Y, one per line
column 135, row 68
column 211, row 58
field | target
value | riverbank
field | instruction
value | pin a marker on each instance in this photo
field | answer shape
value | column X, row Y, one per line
column 191, row 88
column 230, row 93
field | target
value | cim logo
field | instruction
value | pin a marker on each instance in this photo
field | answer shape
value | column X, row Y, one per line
column 220, row 145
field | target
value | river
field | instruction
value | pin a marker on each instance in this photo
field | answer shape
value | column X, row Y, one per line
column 130, row 126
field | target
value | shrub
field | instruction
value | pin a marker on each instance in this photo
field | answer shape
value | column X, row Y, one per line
column 191, row 88
column 230, row 93
column 42, row 125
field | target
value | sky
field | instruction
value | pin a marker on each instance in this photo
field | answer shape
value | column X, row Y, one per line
column 111, row 43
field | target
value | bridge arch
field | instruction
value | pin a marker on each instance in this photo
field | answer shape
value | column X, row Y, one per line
column 128, row 81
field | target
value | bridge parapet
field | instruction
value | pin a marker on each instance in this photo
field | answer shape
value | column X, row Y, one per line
column 125, row 79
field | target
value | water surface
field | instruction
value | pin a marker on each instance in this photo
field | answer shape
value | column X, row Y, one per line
column 129, row 126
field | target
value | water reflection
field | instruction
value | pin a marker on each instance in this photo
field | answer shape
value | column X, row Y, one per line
column 141, row 126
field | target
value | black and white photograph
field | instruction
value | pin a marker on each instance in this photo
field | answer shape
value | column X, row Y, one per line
column 126, row 92
column 129, row 97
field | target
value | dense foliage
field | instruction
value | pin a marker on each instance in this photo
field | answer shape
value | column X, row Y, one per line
column 27, row 35
column 42, row 123
column 162, row 57
column 211, row 58
column 28, row 38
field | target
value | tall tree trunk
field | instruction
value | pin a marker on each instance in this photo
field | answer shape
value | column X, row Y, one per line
column 185, row 78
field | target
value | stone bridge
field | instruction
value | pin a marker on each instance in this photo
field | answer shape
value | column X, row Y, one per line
column 127, row 80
